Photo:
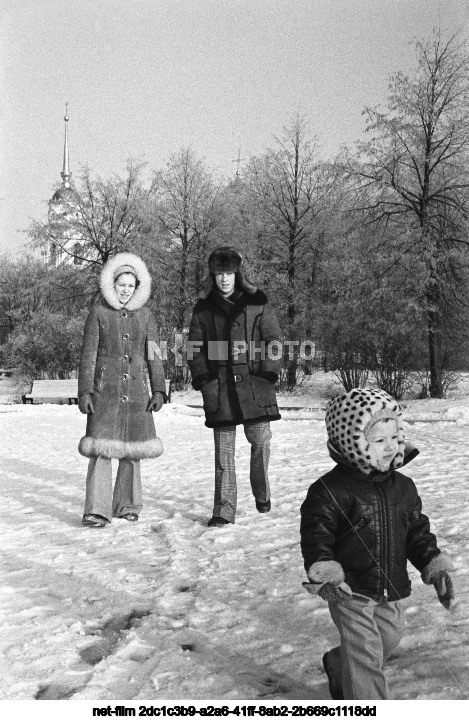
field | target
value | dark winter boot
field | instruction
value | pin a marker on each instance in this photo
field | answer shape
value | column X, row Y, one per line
column 130, row 516
column 217, row 521
column 92, row 520
column 335, row 689
column 263, row 507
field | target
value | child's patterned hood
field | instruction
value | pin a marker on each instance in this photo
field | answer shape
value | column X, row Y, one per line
column 350, row 415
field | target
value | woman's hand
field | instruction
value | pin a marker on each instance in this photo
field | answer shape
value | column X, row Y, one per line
column 156, row 402
column 85, row 404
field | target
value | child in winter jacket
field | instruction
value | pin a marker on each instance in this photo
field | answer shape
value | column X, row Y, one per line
column 360, row 523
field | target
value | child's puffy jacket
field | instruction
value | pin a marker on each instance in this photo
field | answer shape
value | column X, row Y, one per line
column 370, row 525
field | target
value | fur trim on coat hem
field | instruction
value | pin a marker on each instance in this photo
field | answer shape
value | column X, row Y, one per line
column 439, row 563
column 112, row 448
column 326, row 572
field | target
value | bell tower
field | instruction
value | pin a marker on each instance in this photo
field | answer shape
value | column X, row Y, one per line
column 63, row 215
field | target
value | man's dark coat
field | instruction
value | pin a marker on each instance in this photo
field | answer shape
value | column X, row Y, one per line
column 236, row 347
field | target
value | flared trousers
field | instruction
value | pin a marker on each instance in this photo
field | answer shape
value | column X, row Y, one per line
column 225, row 498
column 127, row 496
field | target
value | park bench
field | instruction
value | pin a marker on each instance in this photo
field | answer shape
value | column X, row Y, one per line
column 44, row 391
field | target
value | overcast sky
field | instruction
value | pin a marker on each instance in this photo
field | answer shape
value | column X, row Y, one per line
column 144, row 78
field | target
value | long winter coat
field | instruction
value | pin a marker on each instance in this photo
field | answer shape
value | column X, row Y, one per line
column 370, row 525
column 116, row 347
column 237, row 383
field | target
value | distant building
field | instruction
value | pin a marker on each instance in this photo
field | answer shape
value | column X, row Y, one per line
column 65, row 242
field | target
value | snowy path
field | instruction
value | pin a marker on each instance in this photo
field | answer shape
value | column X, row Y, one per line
column 169, row 609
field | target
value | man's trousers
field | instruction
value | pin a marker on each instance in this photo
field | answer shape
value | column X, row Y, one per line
column 258, row 435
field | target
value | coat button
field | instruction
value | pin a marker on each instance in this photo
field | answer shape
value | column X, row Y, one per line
column 125, row 377
column 124, row 314
column 126, row 357
column 237, row 378
column 124, row 399
column 126, row 336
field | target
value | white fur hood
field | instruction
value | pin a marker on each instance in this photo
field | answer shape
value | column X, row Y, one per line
column 106, row 282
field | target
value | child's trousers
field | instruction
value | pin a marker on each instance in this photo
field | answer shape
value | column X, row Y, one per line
column 369, row 632
column 127, row 496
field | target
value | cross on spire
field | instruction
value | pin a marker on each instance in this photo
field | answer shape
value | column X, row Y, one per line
column 238, row 162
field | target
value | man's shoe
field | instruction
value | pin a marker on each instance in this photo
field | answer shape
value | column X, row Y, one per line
column 217, row 521
column 335, row 689
column 263, row 507
column 92, row 520
column 130, row 516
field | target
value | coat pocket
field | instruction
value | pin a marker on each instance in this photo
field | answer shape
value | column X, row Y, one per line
column 353, row 529
column 351, row 545
column 99, row 377
column 211, row 395
column 264, row 391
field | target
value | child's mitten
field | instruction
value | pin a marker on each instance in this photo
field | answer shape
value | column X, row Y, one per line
column 326, row 577
column 436, row 572
column 331, row 592
column 444, row 588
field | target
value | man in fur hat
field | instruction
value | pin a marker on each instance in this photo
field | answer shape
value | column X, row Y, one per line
column 234, row 357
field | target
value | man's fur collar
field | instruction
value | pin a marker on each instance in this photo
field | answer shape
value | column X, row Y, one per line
column 256, row 298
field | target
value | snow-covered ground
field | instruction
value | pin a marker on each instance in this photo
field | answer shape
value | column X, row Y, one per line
column 167, row 608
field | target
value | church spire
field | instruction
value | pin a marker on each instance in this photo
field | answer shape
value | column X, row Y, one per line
column 66, row 174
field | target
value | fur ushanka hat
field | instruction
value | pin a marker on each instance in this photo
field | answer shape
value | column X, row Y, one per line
column 125, row 263
column 349, row 416
column 226, row 259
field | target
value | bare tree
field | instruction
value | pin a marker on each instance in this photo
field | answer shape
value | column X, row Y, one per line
column 185, row 207
column 414, row 172
column 289, row 187
column 105, row 216
column 24, row 289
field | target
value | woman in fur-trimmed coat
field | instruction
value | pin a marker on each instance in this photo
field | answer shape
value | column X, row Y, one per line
column 119, row 343
column 236, row 345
